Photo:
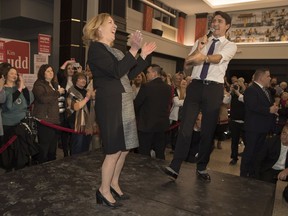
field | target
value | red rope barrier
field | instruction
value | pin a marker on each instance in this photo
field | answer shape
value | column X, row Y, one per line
column 57, row 127
column 69, row 130
column 13, row 138
column 174, row 126
column 76, row 132
column 10, row 141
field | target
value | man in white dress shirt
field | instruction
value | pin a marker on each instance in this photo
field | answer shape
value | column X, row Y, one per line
column 209, row 58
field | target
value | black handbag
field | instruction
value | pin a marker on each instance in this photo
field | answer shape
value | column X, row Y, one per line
column 27, row 132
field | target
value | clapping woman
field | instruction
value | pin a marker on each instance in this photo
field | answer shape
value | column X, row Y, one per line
column 18, row 99
column 82, row 118
column 115, row 116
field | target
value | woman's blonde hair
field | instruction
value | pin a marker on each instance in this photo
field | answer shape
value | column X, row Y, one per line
column 90, row 30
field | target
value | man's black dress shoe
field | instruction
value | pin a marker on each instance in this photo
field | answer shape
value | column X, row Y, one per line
column 170, row 172
column 233, row 162
column 118, row 196
column 203, row 176
column 100, row 199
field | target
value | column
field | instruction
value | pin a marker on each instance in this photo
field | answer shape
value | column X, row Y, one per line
column 72, row 21
column 181, row 27
column 147, row 17
column 201, row 25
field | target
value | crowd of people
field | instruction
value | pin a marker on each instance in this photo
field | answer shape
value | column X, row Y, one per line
column 134, row 106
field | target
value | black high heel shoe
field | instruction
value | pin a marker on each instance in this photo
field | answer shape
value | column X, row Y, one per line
column 118, row 196
column 100, row 199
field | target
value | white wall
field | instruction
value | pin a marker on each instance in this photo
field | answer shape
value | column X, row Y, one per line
column 262, row 51
column 169, row 66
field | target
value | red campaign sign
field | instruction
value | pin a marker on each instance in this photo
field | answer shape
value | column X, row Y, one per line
column 17, row 53
column 2, row 51
column 44, row 44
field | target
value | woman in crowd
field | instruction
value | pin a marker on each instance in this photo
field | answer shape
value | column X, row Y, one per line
column 95, row 143
column 82, row 119
column 282, row 112
column 46, row 108
column 89, row 77
column 222, row 124
column 66, row 72
column 176, row 110
column 111, row 71
column 18, row 99
column 137, row 82
column 2, row 93
column 166, row 77
column 2, row 100
column 64, row 77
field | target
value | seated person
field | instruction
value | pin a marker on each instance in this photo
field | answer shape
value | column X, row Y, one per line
column 272, row 161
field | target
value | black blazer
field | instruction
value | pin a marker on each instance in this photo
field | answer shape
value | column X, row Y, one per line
column 107, row 69
column 152, row 106
column 257, row 110
column 268, row 155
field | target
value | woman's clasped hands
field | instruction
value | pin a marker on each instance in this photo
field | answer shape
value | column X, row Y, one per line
column 136, row 40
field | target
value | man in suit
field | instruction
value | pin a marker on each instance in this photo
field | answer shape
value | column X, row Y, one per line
column 209, row 58
column 152, row 105
column 260, row 115
column 272, row 161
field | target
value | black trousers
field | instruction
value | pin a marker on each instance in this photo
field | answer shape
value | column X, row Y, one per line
column 206, row 98
column 152, row 140
column 8, row 157
column 269, row 175
column 254, row 143
column 48, row 139
column 237, row 131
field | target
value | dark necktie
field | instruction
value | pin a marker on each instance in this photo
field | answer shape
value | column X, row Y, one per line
column 205, row 67
column 266, row 93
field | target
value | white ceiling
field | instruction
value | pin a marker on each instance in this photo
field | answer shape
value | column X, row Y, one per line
column 191, row 7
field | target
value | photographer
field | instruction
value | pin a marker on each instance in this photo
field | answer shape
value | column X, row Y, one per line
column 66, row 72
column 237, row 113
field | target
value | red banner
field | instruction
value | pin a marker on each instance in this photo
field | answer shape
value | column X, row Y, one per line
column 44, row 44
column 2, row 51
column 17, row 53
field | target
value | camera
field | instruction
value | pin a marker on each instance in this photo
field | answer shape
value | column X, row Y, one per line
column 235, row 87
column 76, row 65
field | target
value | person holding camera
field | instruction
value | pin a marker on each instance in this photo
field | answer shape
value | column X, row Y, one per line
column 237, row 114
column 66, row 72
column 64, row 76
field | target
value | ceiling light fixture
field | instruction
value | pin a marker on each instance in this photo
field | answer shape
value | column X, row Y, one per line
column 158, row 8
column 221, row 3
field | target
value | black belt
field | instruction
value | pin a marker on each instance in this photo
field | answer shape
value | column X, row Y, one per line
column 206, row 82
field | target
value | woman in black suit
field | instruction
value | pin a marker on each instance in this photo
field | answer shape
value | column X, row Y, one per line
column 111, row 71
